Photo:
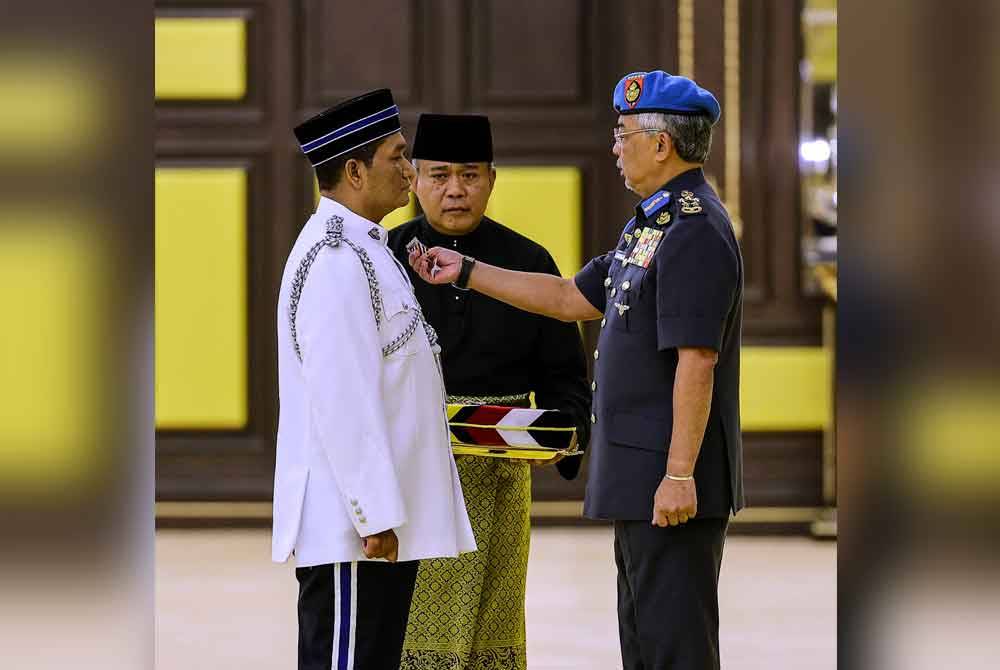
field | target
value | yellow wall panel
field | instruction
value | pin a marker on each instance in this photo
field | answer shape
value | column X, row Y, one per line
column 51, row 278
column 200, row 58
column 542, row 203
column 785, row 388
column 201, row 298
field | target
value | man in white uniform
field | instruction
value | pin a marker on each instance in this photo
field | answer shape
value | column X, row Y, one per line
column 364, row 476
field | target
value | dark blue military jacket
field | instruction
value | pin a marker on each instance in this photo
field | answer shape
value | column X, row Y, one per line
column 674, row 280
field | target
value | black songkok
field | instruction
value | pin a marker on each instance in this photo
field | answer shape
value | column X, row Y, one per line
column 351, row 124
column 454, row 138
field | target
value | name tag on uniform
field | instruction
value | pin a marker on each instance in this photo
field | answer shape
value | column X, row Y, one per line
column 646, row 246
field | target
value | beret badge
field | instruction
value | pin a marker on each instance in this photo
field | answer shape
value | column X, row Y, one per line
column 633, row 89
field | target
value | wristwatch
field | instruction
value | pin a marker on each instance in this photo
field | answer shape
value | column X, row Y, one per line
column 468, row 262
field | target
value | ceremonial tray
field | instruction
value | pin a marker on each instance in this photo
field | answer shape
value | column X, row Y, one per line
column 511, row 432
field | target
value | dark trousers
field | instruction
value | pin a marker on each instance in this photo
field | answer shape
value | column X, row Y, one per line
column 352, row 616
column 668, row 602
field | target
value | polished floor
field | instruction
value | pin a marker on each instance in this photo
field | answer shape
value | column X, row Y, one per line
column 221, row 604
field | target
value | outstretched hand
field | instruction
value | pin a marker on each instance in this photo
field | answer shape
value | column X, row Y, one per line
column 436, row 265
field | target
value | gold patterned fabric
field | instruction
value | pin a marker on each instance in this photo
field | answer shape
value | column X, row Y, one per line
column 468, row 612
column 515, row 400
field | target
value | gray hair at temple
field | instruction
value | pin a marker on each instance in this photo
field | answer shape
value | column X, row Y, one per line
column 691, row 134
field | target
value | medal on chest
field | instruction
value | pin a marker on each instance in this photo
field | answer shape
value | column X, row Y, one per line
column 645, row 247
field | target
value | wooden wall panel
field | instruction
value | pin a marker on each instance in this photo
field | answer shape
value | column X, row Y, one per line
column 221, row 461
column 776, row 311
column 648, row 36
column 783, row 469
column 255, row 133
column 529, row 53
column 352, row 47
column 709, row 71
column 250, row 110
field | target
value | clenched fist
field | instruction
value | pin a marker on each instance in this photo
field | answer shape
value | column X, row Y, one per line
column 381, row 545
column 674, row 503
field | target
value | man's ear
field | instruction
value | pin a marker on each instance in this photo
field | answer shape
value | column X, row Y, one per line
column 355, row 172
column 493, row 177
column 664, row 146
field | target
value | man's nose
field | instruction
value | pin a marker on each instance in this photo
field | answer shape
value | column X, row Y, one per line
column 454, row 188
column 408, row 170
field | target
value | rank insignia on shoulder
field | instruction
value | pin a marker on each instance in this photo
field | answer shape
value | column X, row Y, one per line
column 621, row 308
column 663, row 218
column 628, row 238
column 689, row 203
column 373, row 233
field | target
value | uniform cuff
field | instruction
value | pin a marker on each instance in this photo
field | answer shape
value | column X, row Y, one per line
column 368, row 520
column 675, row 332
column 593, row 291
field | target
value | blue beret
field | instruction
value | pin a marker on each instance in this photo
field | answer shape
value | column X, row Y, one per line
column 658, row 91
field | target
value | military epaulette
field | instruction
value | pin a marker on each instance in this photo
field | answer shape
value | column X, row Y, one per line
column 333, row 238
column 654, row 203
column 689, row 203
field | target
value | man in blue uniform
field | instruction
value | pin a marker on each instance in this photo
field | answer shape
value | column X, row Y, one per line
column 666, row 462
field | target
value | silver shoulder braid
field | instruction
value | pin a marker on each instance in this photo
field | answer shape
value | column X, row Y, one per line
column 333, row 238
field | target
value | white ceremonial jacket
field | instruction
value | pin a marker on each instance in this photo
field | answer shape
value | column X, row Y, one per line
column 363, row 442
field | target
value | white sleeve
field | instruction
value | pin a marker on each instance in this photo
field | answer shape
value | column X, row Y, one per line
column 342, row 366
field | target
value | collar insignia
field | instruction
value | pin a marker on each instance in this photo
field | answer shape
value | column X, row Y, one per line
column 655, row 202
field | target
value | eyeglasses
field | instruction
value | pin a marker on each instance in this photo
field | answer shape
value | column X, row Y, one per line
column 617, row 134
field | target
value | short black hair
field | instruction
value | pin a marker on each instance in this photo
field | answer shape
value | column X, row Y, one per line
column 330, row 173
